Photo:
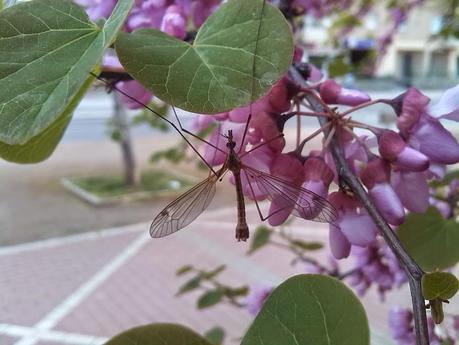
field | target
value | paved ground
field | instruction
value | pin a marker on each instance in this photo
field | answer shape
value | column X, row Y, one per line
column 84, row 288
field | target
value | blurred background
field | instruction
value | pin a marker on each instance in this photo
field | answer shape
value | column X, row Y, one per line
column 76, row 263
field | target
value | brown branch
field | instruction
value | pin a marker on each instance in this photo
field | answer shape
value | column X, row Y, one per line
column 411, row 268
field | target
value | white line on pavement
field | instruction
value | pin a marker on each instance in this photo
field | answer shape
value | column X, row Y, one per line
column 53, row 336
column 72, row 301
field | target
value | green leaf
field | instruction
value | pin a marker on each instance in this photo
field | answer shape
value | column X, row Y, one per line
column 210, row 298
column 307, row 245
column 43, row 145
column 215, row 335
column 239, row 53
column 260, row 238
column 338, row 67
column 48, row 48
column 190, row 285
column 236, row 292
column 183, row 270
column 431, row 239
column 439, row 285
column 160, row 333
column 310, row 309
column 213, row 273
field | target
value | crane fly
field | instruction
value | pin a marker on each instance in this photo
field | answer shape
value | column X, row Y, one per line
column 287, row 196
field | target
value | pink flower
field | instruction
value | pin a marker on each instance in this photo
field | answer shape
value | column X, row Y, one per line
column 393, row 148
column 376, row 177
column 412, row 189
column 409, row 106
column 97, row 9
column 448, row 105
column 432, row 139
column 174, row 22
column 257, row 296
column 333, row 93
column 203, row 9
column 135, row 90
column 265, row 129
column 339, row 244
column 289, row 168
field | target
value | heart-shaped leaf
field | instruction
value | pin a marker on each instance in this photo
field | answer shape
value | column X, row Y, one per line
column 42, row 145
column 160, row 333
column 48, row 47
column 238, row 54
column 431, row 239
column 439, row 285
column 310, row 310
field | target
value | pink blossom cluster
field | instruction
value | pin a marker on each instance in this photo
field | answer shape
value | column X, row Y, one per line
column 394, row 165
column 401, row 327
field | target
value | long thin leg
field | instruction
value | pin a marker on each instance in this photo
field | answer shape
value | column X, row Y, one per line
column 246, row 129
column 263, row 144
column 160, row 116
column 194, row 135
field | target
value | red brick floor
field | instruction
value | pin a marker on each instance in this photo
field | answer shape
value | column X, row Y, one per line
column 83, row 289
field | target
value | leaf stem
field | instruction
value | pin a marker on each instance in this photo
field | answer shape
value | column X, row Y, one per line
column 410, row 266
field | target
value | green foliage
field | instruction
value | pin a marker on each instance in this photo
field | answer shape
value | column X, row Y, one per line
column 259, row 239
column 338, row 67
column 113, row 185
column 190, row 285
column 210, row 298
column 41, row 146
column 213, row 273
column 215, row 335
column 48, row 49
column 184, row 269
column 439, row 285
column 160, row 333
column 173, row 154
column 431, row 239
column 310, row 309
column 217, row 72
column 63, row 81
column 308, row 246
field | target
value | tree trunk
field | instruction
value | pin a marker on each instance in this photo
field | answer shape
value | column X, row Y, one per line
column 122, row 125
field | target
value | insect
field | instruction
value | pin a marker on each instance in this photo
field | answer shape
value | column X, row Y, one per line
column 186, row 208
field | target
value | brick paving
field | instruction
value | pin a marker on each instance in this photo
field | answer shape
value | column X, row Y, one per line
column 85, row 288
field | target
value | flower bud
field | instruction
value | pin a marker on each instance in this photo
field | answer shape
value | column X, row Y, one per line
column 333, row 93
column 339, row 244
column 393, row 148
column 174, row 22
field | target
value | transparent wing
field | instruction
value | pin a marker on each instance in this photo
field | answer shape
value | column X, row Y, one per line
column 300, row 201
column 183, row 210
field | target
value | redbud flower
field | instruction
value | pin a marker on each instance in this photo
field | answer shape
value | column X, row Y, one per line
column 448, row 105
column 408, row 106
column 317, row 176
column 432, row 139
column 412, row 189
column 332, row 93
column 174, row 22
column 401, row 326
column 257, row 296
column 339, row 244
column 97, row 9
column 394, row 149
column 376, row 177
column 134, row 89
column 287, row 167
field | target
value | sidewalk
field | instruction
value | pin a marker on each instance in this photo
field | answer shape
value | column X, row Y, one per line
column 82, row 289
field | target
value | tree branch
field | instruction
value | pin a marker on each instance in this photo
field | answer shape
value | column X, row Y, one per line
column 411, row 268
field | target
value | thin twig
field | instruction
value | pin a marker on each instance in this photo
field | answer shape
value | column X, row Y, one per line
column 410, row 266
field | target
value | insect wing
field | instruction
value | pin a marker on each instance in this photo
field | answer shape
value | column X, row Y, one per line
column 300, row 201
column 185, row 209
